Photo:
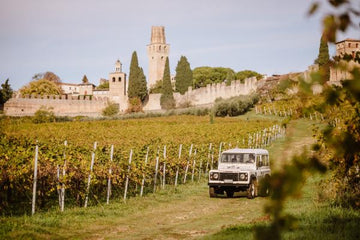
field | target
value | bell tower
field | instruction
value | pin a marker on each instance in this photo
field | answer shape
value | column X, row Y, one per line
column 117, row 86
column 157, row 52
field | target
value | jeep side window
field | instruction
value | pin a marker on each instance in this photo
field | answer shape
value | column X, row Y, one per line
column 224, row 158
column 239, row 158
column 265, row 159
column 258, row 161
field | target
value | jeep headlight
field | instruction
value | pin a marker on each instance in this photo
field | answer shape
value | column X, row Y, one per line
column 243, row 176
column 214, row 176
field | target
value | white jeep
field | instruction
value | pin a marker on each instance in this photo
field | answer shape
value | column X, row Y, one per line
column 241, row 170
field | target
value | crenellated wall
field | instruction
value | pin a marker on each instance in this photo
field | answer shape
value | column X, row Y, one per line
column 211, row 92
column 72, row 106
column 61, row 105
column 205, row 95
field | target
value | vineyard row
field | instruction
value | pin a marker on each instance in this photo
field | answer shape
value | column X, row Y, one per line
column 60, row 171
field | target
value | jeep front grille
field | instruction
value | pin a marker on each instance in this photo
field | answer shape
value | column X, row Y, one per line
column 232, row 176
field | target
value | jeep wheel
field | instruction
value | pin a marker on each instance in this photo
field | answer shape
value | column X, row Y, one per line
column 251, row 192
column 264, row 186
column 212, row 192
column 229, row 193
column 267, row 186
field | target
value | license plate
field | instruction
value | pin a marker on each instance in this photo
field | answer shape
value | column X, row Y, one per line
column 228, row 181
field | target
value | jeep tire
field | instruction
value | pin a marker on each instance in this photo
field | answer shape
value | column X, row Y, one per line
column 212, row 192
column 251, row 192
column 264, row 190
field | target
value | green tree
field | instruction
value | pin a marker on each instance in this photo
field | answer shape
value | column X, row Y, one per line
column 323, row 59
column 52, row 77
column 104, row 86
column 184, row 75
column 230, row 76
column 167, row 100
column 137, row 80
column 85, row 80
column 242, row 75
column 41, row 87
column 5, row 92
column 208, row 75
column 111, row 109
column 44, row 115
column 157, row 87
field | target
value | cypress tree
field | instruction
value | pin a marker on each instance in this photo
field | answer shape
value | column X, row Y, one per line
column 142, row 91
column 323, row 59
column 5, row 92
column 84, row 80
column 137, row 80
column 184, row 75
column 133, row 76
column 167, row 100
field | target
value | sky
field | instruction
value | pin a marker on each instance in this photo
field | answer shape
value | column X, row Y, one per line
column 76, row 37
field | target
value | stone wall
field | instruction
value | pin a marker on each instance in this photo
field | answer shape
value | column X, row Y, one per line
column 211, row 92
column 153, row 103
column 205, row 95
column 71, row 106
column 62, row 106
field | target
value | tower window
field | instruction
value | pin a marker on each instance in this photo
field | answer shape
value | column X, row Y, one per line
column 357, row 45
column 162, row 57
column 349, row 44
column 113, row 79
column 119, row 79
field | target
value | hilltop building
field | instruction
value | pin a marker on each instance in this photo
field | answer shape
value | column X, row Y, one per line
column 349, row 47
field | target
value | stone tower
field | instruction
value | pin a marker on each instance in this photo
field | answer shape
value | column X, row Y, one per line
column 118, row 86
column 157, row 52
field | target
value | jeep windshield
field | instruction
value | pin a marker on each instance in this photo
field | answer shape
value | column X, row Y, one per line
column 238, row 158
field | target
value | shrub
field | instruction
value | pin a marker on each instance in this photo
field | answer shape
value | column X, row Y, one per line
column 44, row 115
column 135, row 105
column 234, row 106
column 186, row 104
column 111, row 110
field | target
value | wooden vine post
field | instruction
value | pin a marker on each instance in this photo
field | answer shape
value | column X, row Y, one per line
column 143, row 179
column 209, row 160
column 177, row 168
column 127, row 175
column 156, row 170
column 89, row 177
column 187, row 164
column 200, row 168
column 193, row 167
column 35, row 180
column 62, row 191
column 164, row 169
column 109, row 177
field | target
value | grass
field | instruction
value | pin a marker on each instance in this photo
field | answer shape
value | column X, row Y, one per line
column 81, row 222
column 315, row 219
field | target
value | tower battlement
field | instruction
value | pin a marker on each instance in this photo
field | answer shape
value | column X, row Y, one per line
column 158, row 35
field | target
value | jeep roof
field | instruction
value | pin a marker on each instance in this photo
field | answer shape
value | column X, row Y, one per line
column 246, row 150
